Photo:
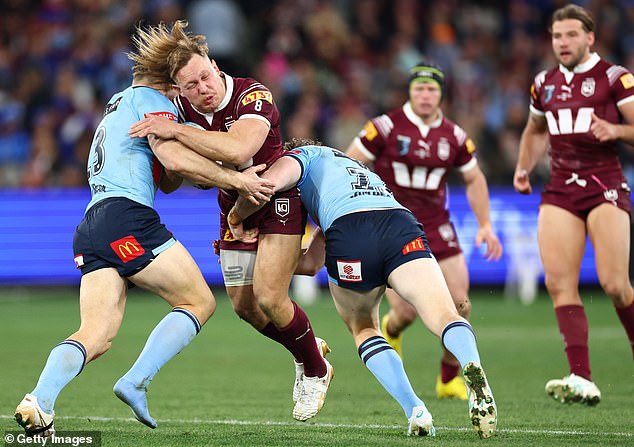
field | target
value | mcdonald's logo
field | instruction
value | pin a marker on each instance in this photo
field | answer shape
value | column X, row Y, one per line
column 416, row 245
column 127, row 248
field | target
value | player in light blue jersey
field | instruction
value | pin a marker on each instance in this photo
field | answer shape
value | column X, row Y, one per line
column 121, row 241
column 373, row 241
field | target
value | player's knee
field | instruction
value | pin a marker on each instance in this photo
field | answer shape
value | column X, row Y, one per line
column 464, row 307
column 616, row 290
column 246, row 311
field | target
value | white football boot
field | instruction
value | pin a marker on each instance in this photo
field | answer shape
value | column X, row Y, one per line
column 33, row 419
column 421, row 422
column 482, row 408
column 299, row 367
column 574, row 388
column 312, row 394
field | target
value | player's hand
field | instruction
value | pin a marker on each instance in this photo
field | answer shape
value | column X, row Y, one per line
column 159, row 126
column 494, row 247
column 521, row 183
column 247, row 236
column 602, row 129
column 253, row 187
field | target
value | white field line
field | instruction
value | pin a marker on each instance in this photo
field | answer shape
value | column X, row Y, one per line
column 356, row 426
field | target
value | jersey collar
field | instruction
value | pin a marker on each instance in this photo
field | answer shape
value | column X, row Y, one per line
column 228, row 93
column 582, row 68
column 418, row 122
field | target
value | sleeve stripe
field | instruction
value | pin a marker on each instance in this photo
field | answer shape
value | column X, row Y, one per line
column 364, row 150
column 255, row 116
column 468, row 165
column 614, row 73
column 384, row 125
column 625, row 101
column 536, row 111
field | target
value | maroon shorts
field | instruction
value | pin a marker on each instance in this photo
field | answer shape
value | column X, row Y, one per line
column 442, row 239
column 284, row 214
column 580, row 194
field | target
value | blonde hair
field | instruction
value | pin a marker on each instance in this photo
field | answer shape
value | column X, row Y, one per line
column 162, row 52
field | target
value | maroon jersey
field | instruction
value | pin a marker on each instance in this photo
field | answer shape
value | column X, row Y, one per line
column 567, row 99
column 247, row 98
column 414, row 159
column 585, row 172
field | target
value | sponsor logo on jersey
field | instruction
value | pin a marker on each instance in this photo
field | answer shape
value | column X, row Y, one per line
column 587, row 87
column 533, row 92
column 79, row 261
column 261, row 95
column 446, row 232
column 168, row 115
column 349, row 271
column 566, row 93
column 471, row 147
column 417, row 244
column 404, row 142
column 127, row 248
column 113, row 106
column 369, row 131
column 282, row 207
column 423, row 151
column 228, row 236
column 627, row 80
column 550, row 89
column 611, row 195
column 443, row 149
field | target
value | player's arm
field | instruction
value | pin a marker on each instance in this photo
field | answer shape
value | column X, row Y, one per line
column 477, row 192
column 606, row 131
column 355, row 151
column 313, row 258
column 170, row 181
column 200, row 170
column 533, row 145
column 284, row 173
column 237, row 146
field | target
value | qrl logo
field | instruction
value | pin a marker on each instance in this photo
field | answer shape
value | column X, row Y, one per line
column 127, row 248
column 282, row 207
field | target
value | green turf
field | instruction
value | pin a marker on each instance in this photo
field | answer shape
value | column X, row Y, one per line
column 233, row 386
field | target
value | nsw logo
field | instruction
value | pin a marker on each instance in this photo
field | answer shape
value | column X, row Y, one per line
column 349, row 271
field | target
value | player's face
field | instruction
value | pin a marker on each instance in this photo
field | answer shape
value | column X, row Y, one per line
column 425, row 99
column 200, row 82
column 571, row 43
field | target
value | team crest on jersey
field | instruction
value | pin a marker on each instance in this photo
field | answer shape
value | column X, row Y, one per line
column 262, row 95
column 587, row 87
column 443, row 149
column 349, row 271
column 627, row 80
column 403, row 144
column 550, row 89
column 282, row 207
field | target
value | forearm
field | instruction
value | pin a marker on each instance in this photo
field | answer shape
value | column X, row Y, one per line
column 625, row 133
column 533, row 145
column 477, row 193
column 213, row 145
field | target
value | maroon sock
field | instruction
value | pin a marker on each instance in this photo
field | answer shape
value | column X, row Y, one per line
column 274, row 333
column 448, row 371
column 626, row 315
column 573, row 326
column 299, row 334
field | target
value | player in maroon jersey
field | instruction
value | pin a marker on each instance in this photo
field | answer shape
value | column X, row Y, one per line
column 414, row 148
column 577, row 107
column 241, row 123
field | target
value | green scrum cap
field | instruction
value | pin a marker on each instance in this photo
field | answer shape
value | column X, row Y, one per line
column 427, row 71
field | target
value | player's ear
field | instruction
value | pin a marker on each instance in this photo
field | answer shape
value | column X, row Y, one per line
column 591, row 38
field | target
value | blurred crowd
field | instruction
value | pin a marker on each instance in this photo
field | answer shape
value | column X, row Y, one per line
column 331, row 64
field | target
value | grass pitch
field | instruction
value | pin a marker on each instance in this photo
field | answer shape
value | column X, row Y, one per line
column 232, row 386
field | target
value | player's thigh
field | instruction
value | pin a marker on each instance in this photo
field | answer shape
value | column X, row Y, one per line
column 428, row 293
column 275, row 263
column 175, row 277
column 562, row 238
column 358, row 309
column 404, row 309
column 454, row 270
column 102, row 297
column 609, row 230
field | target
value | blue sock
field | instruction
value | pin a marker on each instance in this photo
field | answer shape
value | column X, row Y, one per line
column 175, row 331
column 459, row 339
column 64, row 363
column 387, row 367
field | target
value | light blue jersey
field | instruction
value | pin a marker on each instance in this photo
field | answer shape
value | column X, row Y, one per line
column 121, row 166
column 333, row 184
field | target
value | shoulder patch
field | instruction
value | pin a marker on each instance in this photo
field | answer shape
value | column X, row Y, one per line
column 369, row 131
column 471, row 147
column 627, row 80
column 262, row 95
